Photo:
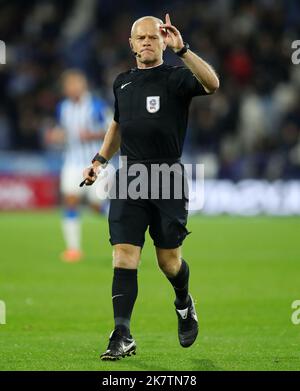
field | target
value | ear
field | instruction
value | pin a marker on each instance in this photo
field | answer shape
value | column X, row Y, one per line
column 164, row 44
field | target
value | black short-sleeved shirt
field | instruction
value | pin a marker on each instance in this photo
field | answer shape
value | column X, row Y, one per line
column 151, row 106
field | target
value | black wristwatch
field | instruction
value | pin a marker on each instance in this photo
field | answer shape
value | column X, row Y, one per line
column 100, row 159
column 183, row 50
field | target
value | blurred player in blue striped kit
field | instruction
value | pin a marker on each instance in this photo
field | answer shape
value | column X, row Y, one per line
column 80, row 123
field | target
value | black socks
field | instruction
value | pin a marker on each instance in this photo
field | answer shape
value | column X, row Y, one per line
column 181, row 285
column 125, row 290
column 124, row 293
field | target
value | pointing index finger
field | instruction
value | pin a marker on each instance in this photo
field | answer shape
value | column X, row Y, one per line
column 168, row 20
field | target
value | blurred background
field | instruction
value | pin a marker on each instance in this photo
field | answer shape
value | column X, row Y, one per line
column 247, row 135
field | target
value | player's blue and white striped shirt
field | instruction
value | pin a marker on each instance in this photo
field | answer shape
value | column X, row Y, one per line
column 90, row 113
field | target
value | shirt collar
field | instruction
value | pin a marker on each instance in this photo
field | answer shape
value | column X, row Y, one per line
column 155, row 66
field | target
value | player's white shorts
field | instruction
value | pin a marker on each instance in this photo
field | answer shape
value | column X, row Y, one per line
column 70, row 178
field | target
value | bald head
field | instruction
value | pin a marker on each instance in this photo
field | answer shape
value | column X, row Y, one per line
column 147, row 41
column 145, row 20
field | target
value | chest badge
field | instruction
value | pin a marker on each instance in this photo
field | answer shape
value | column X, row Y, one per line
column 153, row 104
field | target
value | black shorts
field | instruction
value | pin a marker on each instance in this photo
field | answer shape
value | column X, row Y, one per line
column 166, row 218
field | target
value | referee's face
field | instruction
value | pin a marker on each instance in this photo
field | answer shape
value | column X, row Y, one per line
column 147, row 41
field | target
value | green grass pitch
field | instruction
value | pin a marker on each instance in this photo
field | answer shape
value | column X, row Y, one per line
column 245, row 273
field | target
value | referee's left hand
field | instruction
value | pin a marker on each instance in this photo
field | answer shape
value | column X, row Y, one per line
column 171, row 35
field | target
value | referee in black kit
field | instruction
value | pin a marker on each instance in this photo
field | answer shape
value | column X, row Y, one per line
column 149, row 126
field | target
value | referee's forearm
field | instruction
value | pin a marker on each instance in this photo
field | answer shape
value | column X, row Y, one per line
column 202, row 70
column 108, row 151
column 111, row 143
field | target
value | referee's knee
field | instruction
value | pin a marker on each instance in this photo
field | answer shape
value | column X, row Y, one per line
column 126, row 256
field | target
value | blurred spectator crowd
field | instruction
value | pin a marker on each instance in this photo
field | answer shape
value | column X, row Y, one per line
column 249, row 129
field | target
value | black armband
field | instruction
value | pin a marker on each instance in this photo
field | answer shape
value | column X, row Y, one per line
column 100, row 159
